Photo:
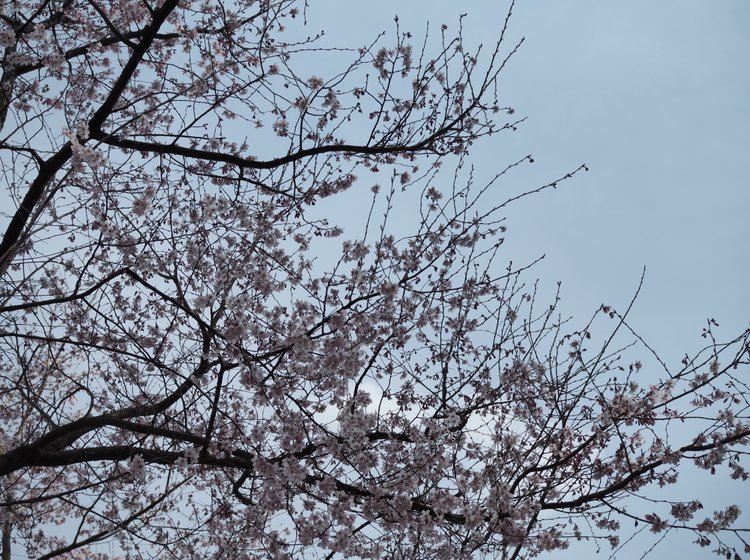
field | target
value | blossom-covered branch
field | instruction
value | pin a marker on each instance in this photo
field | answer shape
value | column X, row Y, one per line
column 249, row 310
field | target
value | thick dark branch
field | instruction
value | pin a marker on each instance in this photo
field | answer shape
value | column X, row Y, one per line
column 51, row 166
column 238, row 459
column 50, row 445
column 63, row 436
column 148, row 429
column 65, row 299
column 250, row 163
column 427, row 144
column 97, row 120
column 15, row 229
column 640, row 472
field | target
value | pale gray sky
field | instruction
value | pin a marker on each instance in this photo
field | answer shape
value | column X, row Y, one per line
column 653, row 96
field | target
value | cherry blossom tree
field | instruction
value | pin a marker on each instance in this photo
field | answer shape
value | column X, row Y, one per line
column 207, row 354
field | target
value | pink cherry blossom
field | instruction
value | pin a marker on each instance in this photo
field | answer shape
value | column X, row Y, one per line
column 202, row 356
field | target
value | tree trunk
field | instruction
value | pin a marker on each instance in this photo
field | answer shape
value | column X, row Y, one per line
column 6, row 539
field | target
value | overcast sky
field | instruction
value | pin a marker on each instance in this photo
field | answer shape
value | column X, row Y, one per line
column 653, row 96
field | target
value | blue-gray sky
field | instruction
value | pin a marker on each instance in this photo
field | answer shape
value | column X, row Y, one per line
column 653, row 96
